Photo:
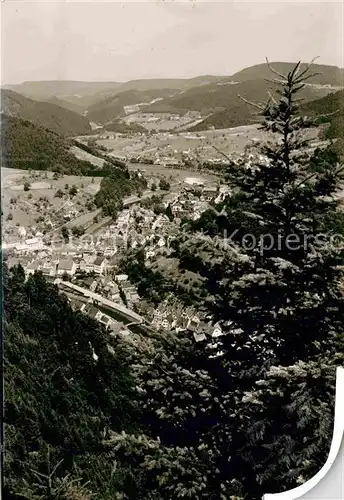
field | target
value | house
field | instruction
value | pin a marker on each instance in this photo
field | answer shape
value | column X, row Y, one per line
column 105, row 319
column 99, row 265
column 33, row 244
column 93, row 312
column 165, row 324
column 86, row 263
column 89, row 283
column 49, row 269
column 134, row 297
column 109, row 252
column 204, row 328
column 121, row 277
column 210, row 192
column 193, row 323
column 199, row 337
column 149, row 254
column 217, row 331
column 66, row 266
column 128, row 287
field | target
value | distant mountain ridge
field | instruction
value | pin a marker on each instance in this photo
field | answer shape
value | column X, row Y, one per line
column 216, row 96
column 61, row 88
column 44, row 114
column 327, row 75
column 86, row 94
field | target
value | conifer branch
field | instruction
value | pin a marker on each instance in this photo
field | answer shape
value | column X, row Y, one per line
column 294, row 71
column 274, row 80
column 222, row 153
column 307, row 68
column 273, row 70
column 314, row 174
column 56, row 467
column 272, row 98
column 255, row 105
column 298, row 80
column 325, row 115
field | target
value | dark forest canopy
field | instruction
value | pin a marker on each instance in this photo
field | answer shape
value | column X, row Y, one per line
column 26, row 146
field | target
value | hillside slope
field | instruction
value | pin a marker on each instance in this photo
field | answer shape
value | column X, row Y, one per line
column 65, row 104
column 330, row 109
column 327, row 75
column 44, row 114
column 225, row 105
column 215, row 97
column 26, row 146
column 59, row 397
column 169, row 83
column 109, row 109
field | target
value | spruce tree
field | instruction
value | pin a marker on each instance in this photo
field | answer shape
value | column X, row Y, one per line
column 271, row 268
column 274, row 263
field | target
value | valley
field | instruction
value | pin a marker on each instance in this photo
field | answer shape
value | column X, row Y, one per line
column 164, row 338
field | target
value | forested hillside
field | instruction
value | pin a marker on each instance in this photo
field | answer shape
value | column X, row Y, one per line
column 107, row 110
column 223, row 102
column 117, row 184
column 240, row 113
column 65, row 104
column 86, row 94
column 26, row 146
column 44, row 114
column 330, row 110
column 88, row 416
column 60, row 400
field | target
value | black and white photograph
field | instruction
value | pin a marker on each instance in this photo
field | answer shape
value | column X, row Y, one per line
column 172, row 250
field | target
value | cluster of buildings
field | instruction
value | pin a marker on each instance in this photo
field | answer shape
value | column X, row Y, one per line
column 110, row 287
column 55, row 265
column 113, row 326
column 89, row 262
column 194, row 199
column 167, row 317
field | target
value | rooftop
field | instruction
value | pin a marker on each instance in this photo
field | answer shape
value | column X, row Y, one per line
column 98, row 261
column 66, row 264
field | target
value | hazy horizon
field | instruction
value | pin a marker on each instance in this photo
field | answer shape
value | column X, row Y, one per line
column 116, row 42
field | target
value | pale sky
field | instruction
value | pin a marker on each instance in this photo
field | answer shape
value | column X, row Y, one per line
column 112, row 41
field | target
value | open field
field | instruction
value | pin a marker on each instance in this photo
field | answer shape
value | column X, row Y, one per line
column 176, row 175
column 162, row 121
column 177, row 145
column 23, row 208
column 38, row 209
column 85, row 156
